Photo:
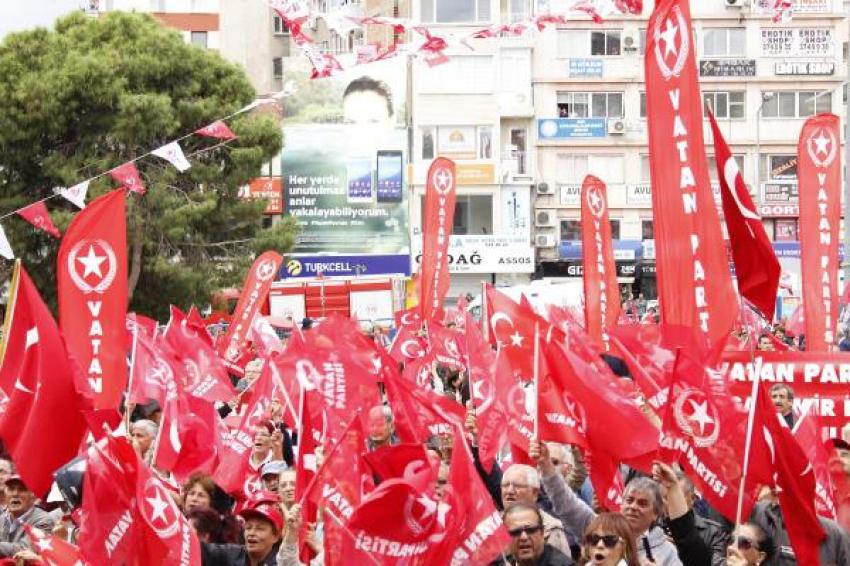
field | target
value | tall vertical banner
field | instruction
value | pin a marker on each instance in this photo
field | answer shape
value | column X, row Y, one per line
column 601, row 291
column 257, row 285
column 92, row 283
column 694, row 283
column 819, row 176
column 440, row 197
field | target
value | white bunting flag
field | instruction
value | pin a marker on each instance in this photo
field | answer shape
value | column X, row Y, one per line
column 172, row 153
column 76, row 194
column 5, row 247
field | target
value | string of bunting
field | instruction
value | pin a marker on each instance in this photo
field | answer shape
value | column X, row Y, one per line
column 126, row 175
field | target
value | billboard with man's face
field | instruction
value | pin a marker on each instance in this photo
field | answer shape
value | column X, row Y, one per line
column 344, row 159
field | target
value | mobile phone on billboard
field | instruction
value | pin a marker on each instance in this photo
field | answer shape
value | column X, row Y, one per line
column 359, row 179
column 390, row 176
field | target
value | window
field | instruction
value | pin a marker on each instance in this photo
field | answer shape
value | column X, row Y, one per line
column 277, row 68
column 570, row 230
column 724, row 42
column 615, row 229
column 199, row 38
column 519, row 10
column 280, row 26
column 779, row 167
column 573, row 168
column 724, row 104
column 647, row 230
column 785, row 230
column 427, row 143
column 795, row 104
column 643, row 104
column 645, row 175
column 462, row 74
column 584, row 43
column 455, row 11
column 642, row 41
column 473, row 215
column 712, row 166
column 485, row 142
column 590, row 104
column 605, row 42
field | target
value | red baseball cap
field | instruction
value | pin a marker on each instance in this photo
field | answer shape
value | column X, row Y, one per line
column 264, row 510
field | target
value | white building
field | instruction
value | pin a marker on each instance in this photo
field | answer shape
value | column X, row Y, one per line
column 197, row 20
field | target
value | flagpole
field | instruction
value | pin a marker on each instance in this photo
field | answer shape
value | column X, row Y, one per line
column 485, row 328
column 749, row 440
column 536, row 376
column 128, row 410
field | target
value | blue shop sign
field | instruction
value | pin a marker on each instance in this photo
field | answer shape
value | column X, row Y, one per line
column 304, row 266
column 625, row 250
column 571, row 128
column 792, row 249
column 586, row 67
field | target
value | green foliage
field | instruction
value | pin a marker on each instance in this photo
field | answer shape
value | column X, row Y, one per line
column 95, row 93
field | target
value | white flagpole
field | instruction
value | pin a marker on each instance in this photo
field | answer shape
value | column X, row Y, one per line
column 749, row 440
column 536, row 376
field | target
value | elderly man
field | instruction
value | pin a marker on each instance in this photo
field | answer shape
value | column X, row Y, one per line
column 568, row 463
column 528, row 544
column 521, row 484
column 142, row 433
column 783, row 399
column 381, row 429
column 643, row 505
column 20, row 510
column 270, row 474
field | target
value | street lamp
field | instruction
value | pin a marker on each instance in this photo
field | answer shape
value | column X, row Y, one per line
column 765, row 97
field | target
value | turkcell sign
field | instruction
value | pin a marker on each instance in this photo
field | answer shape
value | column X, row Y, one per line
column 303, row 266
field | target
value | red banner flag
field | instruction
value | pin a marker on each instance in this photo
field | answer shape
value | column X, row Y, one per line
column 42, row 425
column 819, row 174
column 37, row 215
column 92, row 281
column 218, row 130
column 694, row 283
column 512, row 330
column 756, row 266
column 601, row 290
column 254, row 292
column 53, row 550
column 439, row 216
column 406, row 346
column 129, row 177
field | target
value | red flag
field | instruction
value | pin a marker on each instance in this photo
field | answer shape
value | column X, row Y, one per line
column 512, row 329
column 694, row 283
column 92, row 281
column 410, row 319
column 406, row 346
column 440, row 195
column 795, row 481
column 397, row 462
column 154, row 371
column 37, row 215
column 446, row 346
column 819, row 174
column 601, row 290
column 200, row 437
column 309, row 438
column 218, row 130
column 258, row 282
column 206, row 376
column 43, row 425
column 756, row 266
column 827, row 495
column 489, row 418
column 128, row 176
column 560, row 418
column 196, row 323
column 53, row 550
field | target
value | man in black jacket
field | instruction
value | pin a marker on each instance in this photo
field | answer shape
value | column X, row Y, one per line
column 714, row 534
column 263, row 528
column 525, row 525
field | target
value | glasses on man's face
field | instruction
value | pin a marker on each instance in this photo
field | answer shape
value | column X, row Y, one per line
column 610, row 541
column 513, row 485
column 528, row 530
column 744, row 543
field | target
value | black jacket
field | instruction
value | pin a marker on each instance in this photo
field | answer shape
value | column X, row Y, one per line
column 715, row 537
column 834, row 549
column 232, row 555
column 551, row 557
column 692, row 549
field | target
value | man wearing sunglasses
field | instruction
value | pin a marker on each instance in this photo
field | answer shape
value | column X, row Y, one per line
column 525, row 525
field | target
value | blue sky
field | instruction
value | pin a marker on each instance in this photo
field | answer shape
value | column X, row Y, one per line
column 18, row 15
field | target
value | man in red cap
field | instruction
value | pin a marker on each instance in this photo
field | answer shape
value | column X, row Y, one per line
column 262, row 530
column 20, row 509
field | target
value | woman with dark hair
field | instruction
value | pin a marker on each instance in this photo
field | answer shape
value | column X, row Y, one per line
column 208, row 525
column 201, row 494
column 198, row 493
column 750, row 546
column 608, row 541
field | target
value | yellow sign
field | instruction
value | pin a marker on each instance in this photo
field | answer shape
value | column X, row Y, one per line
column 476, row 173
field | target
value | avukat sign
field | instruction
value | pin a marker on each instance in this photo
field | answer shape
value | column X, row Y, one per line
column 92, row 281
column 819, row 174
column 694, row 283
column 440, row 196
column 601, row 290
column 254, row 292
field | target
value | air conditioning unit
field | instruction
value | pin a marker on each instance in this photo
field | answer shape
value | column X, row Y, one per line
column 630, row 43
column 545, row 219
column 545, row 189
column 545, row 241
column 616, row 127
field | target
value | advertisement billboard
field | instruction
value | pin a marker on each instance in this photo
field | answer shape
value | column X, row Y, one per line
column 344, row 159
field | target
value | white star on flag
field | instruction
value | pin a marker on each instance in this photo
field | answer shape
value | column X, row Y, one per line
column 158, row 505
column 516, row 339
column 668, row 36
column 92, row 263
column 44, row 544
column 821, row 143
column 700, row 415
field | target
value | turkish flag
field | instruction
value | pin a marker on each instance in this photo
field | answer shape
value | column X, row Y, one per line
column 827, row 495
column 601, row 290
column 512, row 330
column 410, row 319
column 309, row 438
column 218, row 130
column 206, row 376
column 53, row 550
column 482, row 385
column 440, row 196
column 43, row 424
column 92, row 281
column 128, row 176
column 256, row 288
column 200, row 435
column 406, row 346
column 756, row 266
column 794, row 480
column 819, row 174
column 694, row 284
column 37, row 215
